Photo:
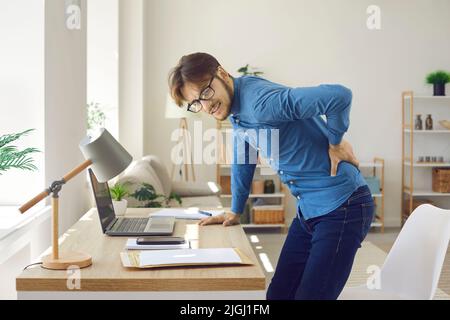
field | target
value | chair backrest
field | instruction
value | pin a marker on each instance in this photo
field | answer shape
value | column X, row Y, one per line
column 413, row 266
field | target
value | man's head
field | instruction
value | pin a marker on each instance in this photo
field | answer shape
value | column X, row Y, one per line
column 200, row 82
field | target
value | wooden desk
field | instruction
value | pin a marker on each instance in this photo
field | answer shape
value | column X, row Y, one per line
column 108, row 279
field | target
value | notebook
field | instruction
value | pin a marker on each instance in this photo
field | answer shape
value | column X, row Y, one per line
column 189, row 214
column 184, row 257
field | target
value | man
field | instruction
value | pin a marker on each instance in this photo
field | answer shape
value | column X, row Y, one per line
column 335, row 206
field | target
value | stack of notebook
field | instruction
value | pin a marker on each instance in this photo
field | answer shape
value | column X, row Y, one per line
column 184, row 257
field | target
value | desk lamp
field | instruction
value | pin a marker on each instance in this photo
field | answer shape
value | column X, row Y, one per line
column 107, row 159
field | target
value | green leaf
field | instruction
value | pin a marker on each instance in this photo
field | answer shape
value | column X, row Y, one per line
column 8, row 138
column 175, row 196
column 118, row 192
column 438, row 77
column 11, row 157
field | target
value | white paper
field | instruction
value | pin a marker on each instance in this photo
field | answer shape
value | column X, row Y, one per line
column 132, row 245
column 188, row 256
column 189, row 214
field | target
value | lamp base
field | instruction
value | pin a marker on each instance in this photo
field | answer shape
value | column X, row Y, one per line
column 66, row 260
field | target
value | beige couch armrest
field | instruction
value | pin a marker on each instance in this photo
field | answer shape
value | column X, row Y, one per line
column 195, row 189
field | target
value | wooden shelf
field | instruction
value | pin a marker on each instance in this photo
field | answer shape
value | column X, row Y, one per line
column 377, row 165
column 427, row 165
column 376, row 224
column 377, row 195
column 370, row 165
column 268, row 206
column 223, row 169
column 409, row 102
column 426, row 193
column 424, row 97
column 427, row 131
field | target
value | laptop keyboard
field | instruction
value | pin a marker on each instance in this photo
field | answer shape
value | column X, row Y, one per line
column 132, row 225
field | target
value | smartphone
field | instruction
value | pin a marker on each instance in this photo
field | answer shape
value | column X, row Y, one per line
column 160, row 240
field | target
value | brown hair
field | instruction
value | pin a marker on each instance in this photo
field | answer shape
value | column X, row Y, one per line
column 194, row 68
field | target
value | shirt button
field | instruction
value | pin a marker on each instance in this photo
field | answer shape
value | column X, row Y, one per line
column 281, row 172
column 298, row 197
column 291, row 182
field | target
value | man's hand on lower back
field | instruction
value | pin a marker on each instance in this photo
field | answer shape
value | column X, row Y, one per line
column 341, row 152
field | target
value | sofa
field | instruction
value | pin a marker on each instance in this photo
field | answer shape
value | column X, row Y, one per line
column 150, row 169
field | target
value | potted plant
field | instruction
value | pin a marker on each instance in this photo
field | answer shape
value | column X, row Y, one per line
column 249, row 71
column 147, row 193
column 118, row 193
column 96, row 118
column 11, row 157
column 438, row 79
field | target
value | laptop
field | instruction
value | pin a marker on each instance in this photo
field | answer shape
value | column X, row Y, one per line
column 113, row 226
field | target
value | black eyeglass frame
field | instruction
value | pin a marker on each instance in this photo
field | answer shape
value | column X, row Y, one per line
column 199, row 100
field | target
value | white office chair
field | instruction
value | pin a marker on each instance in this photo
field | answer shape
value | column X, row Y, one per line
column 413, row 266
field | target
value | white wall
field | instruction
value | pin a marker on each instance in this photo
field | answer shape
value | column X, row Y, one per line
column 22, row 92
column 65, row 107
column 103, row 59
column 131, row 74
column 301, row 43
column 43, row 86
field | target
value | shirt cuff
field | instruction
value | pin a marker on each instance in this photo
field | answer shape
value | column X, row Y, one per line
column 335, row 139
column 238, row 205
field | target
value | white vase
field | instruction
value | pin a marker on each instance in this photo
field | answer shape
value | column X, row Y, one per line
column 120, row 207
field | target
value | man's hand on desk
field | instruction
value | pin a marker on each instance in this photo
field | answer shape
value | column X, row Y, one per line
column 226, row 219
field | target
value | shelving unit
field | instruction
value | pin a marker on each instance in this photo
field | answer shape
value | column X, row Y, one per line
column 377, row 167
column 262, row 170
column 416, row 176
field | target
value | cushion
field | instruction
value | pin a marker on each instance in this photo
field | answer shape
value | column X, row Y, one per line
column 162, row 173
column 193, row 189
column 137, row 174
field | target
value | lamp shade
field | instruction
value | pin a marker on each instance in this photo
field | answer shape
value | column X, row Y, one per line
column 175, row 112
column 108, row 156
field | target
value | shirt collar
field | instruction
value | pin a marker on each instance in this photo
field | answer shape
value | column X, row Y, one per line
column 235, row 102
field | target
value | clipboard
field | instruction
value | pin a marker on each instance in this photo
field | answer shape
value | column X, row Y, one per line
column 131, row 259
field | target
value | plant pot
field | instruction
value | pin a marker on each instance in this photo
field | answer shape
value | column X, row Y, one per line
column 120, row 207
column 439, row 89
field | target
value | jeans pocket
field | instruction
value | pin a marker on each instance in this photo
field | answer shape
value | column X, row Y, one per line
column 367, row 213
column 359, row 197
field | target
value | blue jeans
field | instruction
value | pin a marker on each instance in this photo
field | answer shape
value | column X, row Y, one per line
column 317, row 256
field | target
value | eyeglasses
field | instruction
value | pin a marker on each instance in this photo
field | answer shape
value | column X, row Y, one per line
column 206, row 94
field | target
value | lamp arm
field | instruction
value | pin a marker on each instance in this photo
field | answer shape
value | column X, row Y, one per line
column 41, row 196
column 55, row 187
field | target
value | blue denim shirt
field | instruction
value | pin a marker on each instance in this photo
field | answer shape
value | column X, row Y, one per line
column 293, row 118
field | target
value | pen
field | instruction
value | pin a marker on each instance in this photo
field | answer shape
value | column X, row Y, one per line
column 205, row 213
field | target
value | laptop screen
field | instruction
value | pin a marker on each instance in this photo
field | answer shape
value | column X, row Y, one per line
column 103, row 199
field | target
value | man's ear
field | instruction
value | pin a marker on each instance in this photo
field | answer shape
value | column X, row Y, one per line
column 222, row 73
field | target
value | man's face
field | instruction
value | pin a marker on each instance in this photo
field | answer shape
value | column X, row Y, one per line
column 219, row 105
